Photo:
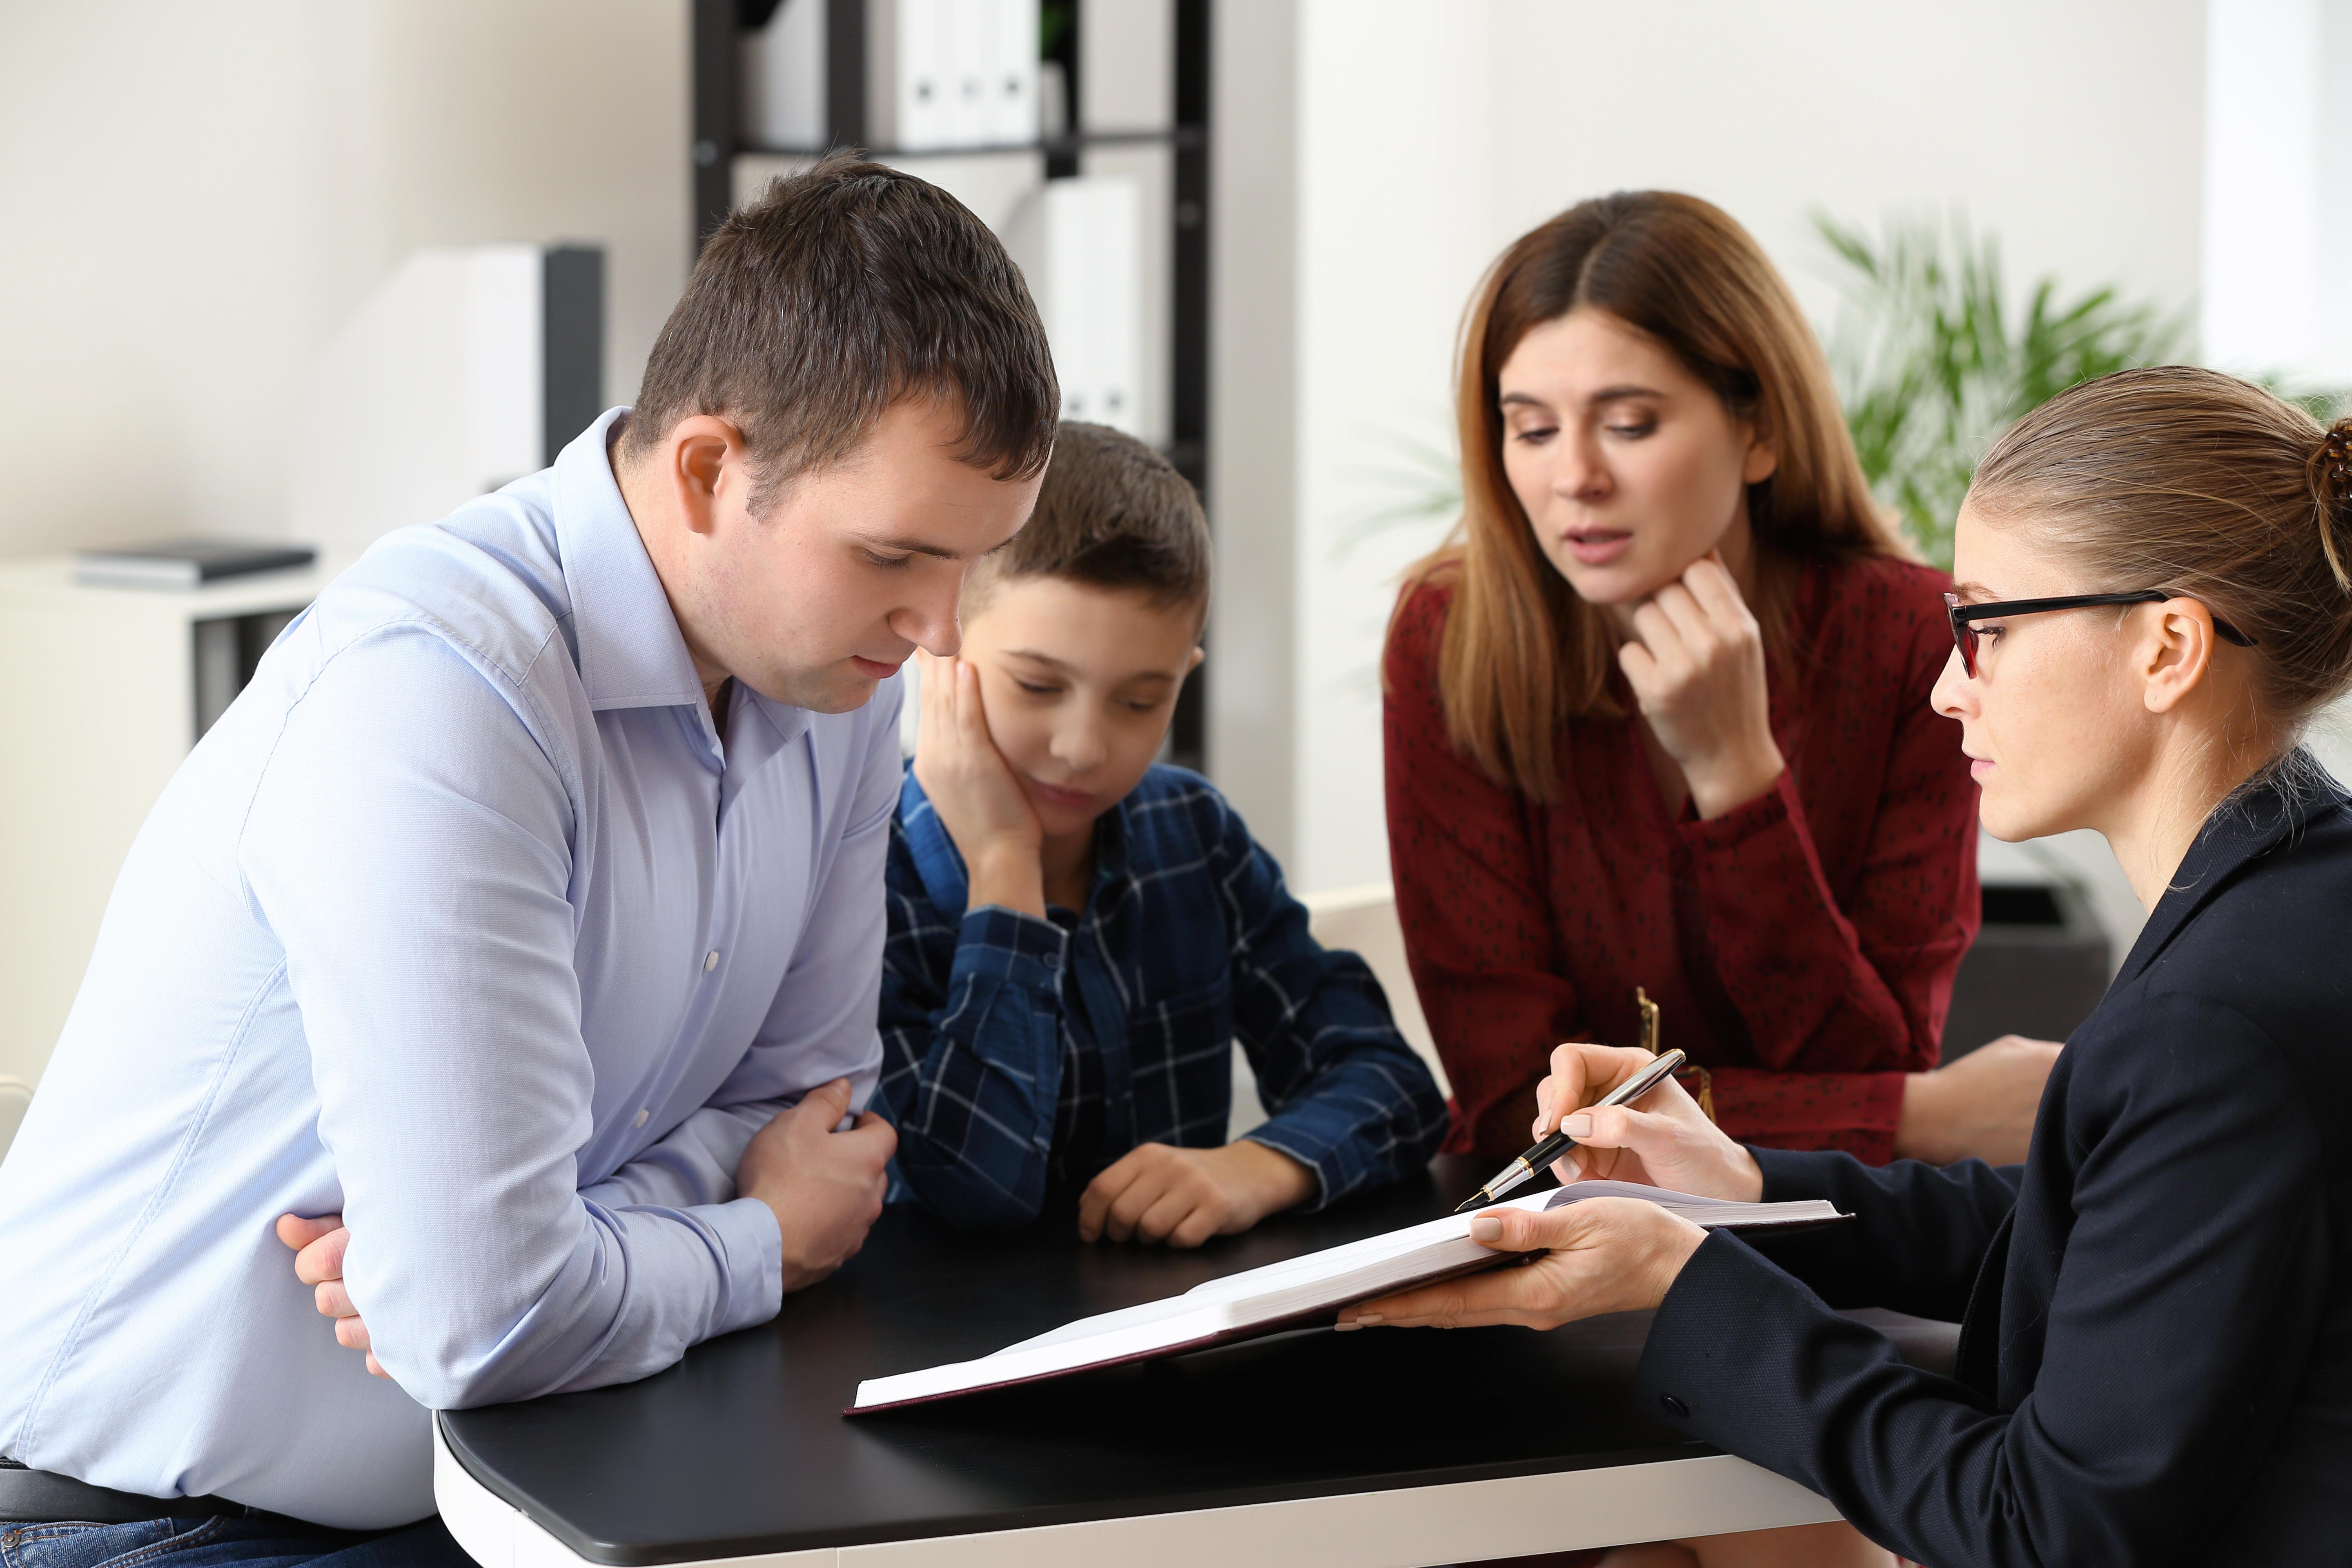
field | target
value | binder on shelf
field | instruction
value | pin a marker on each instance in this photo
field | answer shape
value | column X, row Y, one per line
column 906, row 66
column 783, row 79
column 1078, row 242
column 941, row 75
column 967, row 65
column 1010, row 70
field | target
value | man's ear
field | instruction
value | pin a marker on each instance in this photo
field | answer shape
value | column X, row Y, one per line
column 2173, row 653
column 705, row 460
column 1199, row 653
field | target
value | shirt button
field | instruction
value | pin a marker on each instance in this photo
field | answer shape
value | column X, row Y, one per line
column 644, row 1116
column 710, row 960
column 1674, row 1408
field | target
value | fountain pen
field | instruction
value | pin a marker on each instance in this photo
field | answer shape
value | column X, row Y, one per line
column 1557, row 1143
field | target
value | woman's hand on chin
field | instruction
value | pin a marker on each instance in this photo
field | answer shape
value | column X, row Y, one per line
column 1606, row 1255
column 1696, row 663
column 1663, row 1140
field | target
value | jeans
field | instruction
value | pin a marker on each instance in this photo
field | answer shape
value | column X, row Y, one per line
column 255, row 1541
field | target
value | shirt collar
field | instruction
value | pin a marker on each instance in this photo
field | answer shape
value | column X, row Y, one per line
column 632, row 653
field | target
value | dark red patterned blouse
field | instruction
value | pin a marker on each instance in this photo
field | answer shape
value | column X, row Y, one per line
column 1801, row 947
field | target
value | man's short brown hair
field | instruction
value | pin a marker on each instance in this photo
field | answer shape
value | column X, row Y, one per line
column 843, row 290
column 1112, row 513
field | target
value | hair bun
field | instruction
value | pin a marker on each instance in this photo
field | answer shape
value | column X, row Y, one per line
column 2331, row 486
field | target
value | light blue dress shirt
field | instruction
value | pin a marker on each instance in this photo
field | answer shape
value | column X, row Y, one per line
column 463, row 922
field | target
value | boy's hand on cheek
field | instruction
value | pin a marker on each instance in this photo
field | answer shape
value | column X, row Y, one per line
column 1183, row 1196
column 969, row 785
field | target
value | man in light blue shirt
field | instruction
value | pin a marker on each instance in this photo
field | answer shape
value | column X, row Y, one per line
column 511, row 946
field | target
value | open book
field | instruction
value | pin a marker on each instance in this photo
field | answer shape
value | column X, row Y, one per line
column 1288, row 1295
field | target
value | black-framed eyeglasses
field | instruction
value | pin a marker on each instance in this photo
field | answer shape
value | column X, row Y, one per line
column 1964, row 635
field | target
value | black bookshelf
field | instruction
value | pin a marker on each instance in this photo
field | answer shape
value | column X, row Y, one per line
column 719, row 142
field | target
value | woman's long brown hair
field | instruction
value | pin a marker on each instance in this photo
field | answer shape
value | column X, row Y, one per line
column 1522, row 654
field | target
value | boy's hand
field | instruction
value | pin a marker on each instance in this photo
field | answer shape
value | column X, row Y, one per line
column 825, row 1187
column 1183, row 1196
column 319, row 1244
column 979, row 801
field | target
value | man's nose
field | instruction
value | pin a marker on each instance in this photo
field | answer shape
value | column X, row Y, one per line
column 928, row 620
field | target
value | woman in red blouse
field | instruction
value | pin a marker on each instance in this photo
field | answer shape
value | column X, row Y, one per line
column 1658, row 716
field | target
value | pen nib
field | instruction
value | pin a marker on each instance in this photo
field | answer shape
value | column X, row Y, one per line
column 1478, row 1199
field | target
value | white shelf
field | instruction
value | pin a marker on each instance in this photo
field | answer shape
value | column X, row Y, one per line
column 97, row 711
column 46, row 583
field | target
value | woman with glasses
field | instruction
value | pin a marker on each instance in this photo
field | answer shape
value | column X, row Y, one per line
column 2156, row 1362
column 1656, row 718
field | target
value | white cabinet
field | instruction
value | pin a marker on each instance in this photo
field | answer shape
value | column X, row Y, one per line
column 100, row 691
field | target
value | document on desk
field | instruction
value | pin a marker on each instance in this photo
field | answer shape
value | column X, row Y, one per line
column 1292, row 1294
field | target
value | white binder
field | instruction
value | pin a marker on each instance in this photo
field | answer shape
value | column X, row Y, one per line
column 783, row 79
column 1078, row 242
column 905, row 69
column 1013, row 118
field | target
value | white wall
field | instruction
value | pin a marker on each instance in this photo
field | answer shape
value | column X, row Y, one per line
column 1432, row 132
column 2278, row 207
column 192, row 198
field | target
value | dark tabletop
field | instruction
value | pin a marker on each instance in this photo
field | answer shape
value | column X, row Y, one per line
column 742, row 1448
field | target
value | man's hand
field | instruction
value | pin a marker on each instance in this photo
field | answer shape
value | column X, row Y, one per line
column 1183, row 1196
column 1981, row 1106
column 971, row 787
column 825, row 1187
column 318, row 1246
column 1696, row 668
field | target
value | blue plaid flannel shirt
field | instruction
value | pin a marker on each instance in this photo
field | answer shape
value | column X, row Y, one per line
column 1017, row 1051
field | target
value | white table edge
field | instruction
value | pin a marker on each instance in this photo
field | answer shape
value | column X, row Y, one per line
column 1407, row 1527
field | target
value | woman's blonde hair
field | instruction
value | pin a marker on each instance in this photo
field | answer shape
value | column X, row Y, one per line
column 2205, row 486
column 1521, row 653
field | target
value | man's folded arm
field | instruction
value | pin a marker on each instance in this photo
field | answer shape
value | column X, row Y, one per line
column 822, row 1025
column 410, row 846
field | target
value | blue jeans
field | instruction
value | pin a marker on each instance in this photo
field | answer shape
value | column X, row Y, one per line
column 256, row 1541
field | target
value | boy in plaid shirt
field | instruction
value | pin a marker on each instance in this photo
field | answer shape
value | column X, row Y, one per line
column 1077, row 935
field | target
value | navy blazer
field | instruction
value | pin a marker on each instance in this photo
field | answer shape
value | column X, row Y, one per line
column 2156, row 1358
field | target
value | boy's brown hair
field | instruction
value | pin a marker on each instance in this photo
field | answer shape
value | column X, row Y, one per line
column 1112, row 513
column 843, row 290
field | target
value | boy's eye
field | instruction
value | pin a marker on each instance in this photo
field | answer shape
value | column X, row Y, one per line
column 1140, row 704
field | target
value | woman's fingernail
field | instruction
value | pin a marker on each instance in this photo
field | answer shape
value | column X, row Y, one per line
column 1578, row 1125
column 1486, row 1227
column 1347, row 1325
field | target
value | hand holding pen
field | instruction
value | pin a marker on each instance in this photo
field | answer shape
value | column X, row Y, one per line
column 1557, row 1143
column 1665, row 1140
